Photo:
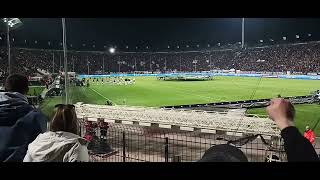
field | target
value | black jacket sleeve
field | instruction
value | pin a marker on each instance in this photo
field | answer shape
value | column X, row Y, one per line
column 297, row 147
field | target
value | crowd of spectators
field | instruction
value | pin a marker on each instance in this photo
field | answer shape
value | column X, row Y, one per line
column 303, row 57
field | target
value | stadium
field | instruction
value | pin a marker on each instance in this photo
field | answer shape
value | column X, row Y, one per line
column 171, row 104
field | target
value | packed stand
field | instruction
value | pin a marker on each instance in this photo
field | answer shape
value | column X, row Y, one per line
column 302, row 58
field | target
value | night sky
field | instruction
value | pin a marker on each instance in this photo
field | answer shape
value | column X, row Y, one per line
column 159, row 32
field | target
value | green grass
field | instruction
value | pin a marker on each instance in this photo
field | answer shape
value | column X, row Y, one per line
column 148, row 91
column 35, row 90
column 48, row 104
column 306, row 114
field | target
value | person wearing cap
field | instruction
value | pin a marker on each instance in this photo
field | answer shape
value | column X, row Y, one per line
column 309, row 134
column 297, row 147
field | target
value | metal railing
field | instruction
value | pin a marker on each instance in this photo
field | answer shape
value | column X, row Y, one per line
column 133, row 143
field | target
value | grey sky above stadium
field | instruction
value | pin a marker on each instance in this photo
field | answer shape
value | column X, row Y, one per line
column 161, row 32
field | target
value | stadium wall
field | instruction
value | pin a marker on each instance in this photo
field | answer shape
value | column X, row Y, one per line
column 305, row 77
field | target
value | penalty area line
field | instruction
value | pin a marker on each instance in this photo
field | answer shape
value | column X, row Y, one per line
column 101, row 95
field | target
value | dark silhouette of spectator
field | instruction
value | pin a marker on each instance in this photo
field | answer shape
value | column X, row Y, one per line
column 20, row 123
column 223, row 153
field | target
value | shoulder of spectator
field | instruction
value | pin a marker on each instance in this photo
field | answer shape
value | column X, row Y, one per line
column 36, row 117
column 289, row 132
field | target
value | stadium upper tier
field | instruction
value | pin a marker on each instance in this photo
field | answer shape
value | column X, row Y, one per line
column 301, row 57
column 191, row 120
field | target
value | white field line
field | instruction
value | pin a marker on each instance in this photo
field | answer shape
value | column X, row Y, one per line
column 101, row 95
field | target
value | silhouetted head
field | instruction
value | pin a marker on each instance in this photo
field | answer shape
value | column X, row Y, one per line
column 223, row 153
column 17, row 83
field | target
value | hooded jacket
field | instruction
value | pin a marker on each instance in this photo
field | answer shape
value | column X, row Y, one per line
column 20, row 124
column 57, row 147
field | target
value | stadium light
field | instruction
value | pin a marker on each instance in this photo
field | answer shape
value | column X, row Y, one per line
column 309, row 35
column 242, row 34
column 112, row 50
column 12, row 23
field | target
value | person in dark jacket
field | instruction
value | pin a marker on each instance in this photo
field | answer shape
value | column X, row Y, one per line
column 20, row 123
column 297, row 147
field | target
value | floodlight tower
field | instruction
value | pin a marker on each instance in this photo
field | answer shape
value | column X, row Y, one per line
column 66, row 78
column 12, row 23
column 242, row 43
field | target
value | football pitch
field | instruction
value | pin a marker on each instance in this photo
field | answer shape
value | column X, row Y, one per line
column 150, row 92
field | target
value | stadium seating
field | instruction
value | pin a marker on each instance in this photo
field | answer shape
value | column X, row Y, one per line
column 300, row 58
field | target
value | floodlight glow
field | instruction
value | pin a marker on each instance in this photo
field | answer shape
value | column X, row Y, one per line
column 12, row 21
column 112, row 50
